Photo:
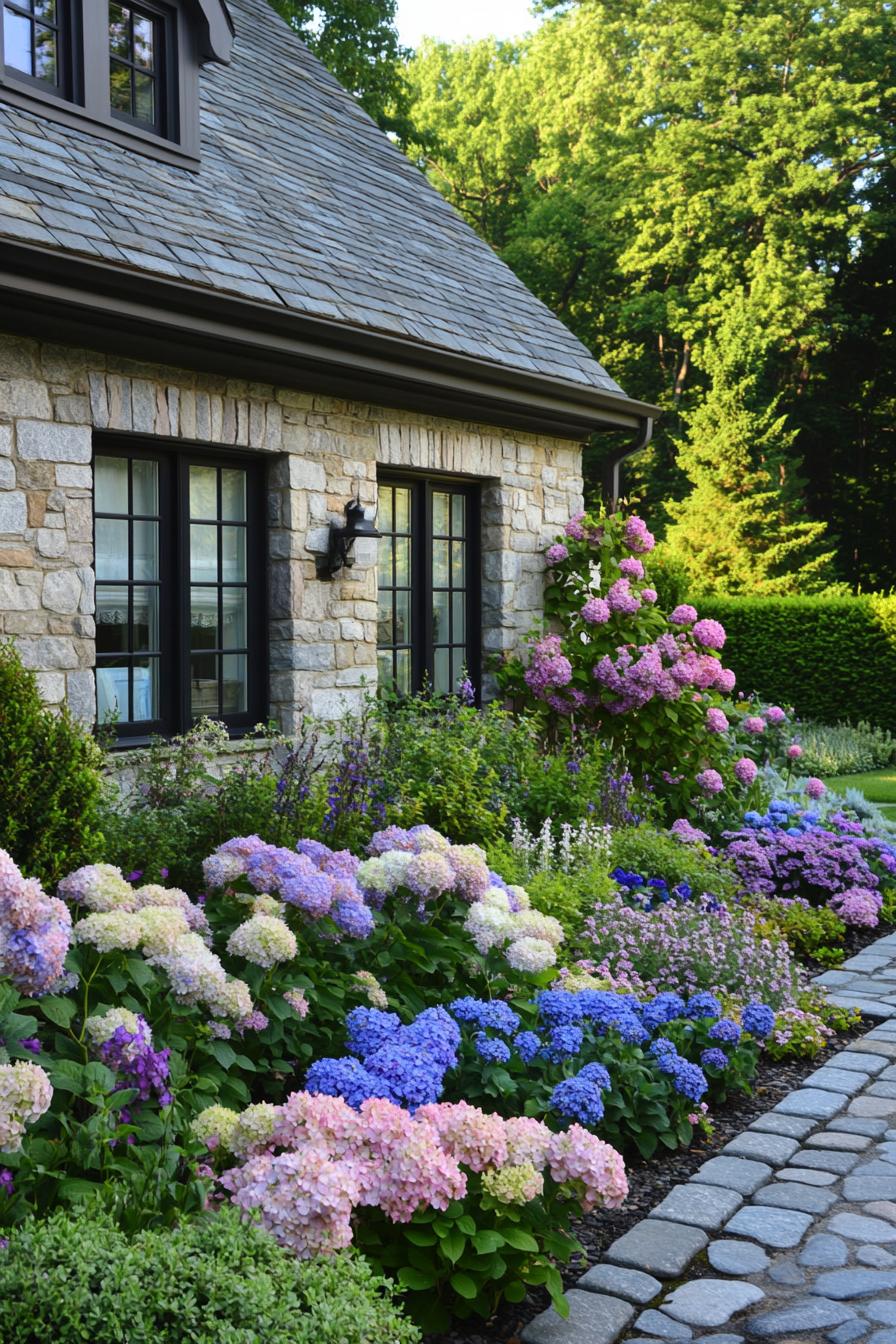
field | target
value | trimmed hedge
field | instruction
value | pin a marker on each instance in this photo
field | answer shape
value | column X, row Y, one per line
column 833, row 659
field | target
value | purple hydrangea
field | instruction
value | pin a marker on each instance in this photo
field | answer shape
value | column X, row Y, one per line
column 726, row 1031
column 711, row 634
column 578, row 1099
column 714, row 1059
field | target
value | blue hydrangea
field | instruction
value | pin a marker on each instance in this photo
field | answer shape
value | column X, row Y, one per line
column 491, row 1049
column 664, row 1008
column 578, row 1099
column 626, row 879
column 486, row 1013
column 683, row 891
column 665, row 1054
column 345, row 1078
column 411, row 1077
column 714, row 1059
column 703, row 1005
column 370, row 1028
column 596, row 1073
column 353, row 918
column 758, row 1019
column 689, row 1080
column 558, row 1008
column 435, row 1033
column 563, row 1043
column 725, row 1030
column 527, row 1045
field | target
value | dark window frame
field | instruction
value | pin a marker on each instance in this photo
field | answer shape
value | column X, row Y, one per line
column 174, row 460
column 423, row 486
column 164, row 70
column 67, row 28
column 84, row 100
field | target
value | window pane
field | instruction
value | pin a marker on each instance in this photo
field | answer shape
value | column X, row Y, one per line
column 45, row 54
column 120, row 87
column 459, row 627
column 234, row 633
column 440, row 564
column 233, row 554
column 458, row 658
column 204, row 618
column 144, row 97
column 110, row 485
column 111, row 560
column 384, row 669
column 403, row 671
column 442, row 676
column 144, row 44
column 440, row 631
column 203, row 553
column 402, row 618
column 17, row 33
column 458, row 563
column 119, row 37
column 45, row 10
column 384, row 620
column 440, row 505
column 458, row 504
column 384, row 562
column 146, row 486
column 111, row 619
column 384, row 510
column 112, row 692
column 402, row 509
column 403, row 562
column 204, row 684
column 146, row 689
column 146, row 550
column 233, row 495
column 233, row 671
column 146, row 619
column 203, row 492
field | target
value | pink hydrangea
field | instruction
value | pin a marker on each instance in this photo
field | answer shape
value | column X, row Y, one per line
column 471, row 1136
column 753, row 724
column 596, row 1169
column 528, row 1140
column 794, row 751
column 631, row 567
column 574, row 527
column 35, row 931
column 709, row 633
column 725, row 680
column 596, row 611
column 649, row 595
column 683, row 615
column 745, row 770
column 716, row 721
column 556, row 554
column 710, row 781
column 858, row 906
column 688, row 834
column 636, row 535
column 621, row 599
column 815, row 788
column 549, row 669
column 775, row 714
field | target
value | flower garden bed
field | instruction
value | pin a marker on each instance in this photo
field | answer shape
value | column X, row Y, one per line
column 439, row 1008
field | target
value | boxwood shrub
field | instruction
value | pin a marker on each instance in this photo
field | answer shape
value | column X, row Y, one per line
column 831, row 658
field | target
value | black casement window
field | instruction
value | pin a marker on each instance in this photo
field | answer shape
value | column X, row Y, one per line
column 137, row 90
column 428, row 582
column 36, row 40
column 180, row 583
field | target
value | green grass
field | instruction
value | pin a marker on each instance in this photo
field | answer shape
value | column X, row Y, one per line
column 878, row 786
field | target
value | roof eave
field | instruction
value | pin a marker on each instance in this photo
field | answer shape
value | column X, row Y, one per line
column 103, row 306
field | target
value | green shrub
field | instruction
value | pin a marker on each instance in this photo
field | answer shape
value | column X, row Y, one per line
column 653, row 853
column 812, row 932
column 50, row 779
column 831, row 658
column 844, row 748
column 211, row 1281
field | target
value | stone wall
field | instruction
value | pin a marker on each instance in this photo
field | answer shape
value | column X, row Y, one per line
column 321, row 450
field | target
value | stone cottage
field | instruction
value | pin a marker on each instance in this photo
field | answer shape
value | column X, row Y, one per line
column 242, row 335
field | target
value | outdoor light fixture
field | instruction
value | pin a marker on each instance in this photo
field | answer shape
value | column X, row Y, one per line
column 342, row 540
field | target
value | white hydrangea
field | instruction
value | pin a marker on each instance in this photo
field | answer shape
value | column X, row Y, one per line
column 253, row 1129
column 233, row 999
column 386, row 873
column 103, row 1027
column 215, row 1127
column 488, row 925
column 521, row 896
column 530, row 954
column 496, row 897
column 533, row 924
column 109, row 931
column 264, row 940
column 160, row 928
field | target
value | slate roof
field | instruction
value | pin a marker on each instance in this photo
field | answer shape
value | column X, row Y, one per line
column 300, row 202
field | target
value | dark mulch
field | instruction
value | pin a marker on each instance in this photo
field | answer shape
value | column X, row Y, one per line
column 649, row 1182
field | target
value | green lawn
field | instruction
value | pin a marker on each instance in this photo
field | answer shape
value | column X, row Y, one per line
column 879, row 786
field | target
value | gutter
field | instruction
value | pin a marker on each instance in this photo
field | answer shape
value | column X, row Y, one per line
column 613, row 468
column 100, row 305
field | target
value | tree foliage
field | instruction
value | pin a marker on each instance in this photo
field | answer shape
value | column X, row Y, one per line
column 358, row 42
column 671, row 177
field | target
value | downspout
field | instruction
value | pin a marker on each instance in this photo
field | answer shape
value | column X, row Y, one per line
column 612, row 469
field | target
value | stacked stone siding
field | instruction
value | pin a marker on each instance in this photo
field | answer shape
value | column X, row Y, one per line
column 54, row 402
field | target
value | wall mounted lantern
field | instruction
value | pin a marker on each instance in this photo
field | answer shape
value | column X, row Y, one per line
column 342, row 540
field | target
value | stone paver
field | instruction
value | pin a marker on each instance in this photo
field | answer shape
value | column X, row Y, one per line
column 802, row 1208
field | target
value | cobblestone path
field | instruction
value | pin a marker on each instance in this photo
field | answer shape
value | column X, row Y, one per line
column 788, row 1234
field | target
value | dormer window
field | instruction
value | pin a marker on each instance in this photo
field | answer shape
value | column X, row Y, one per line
column 127, row 72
